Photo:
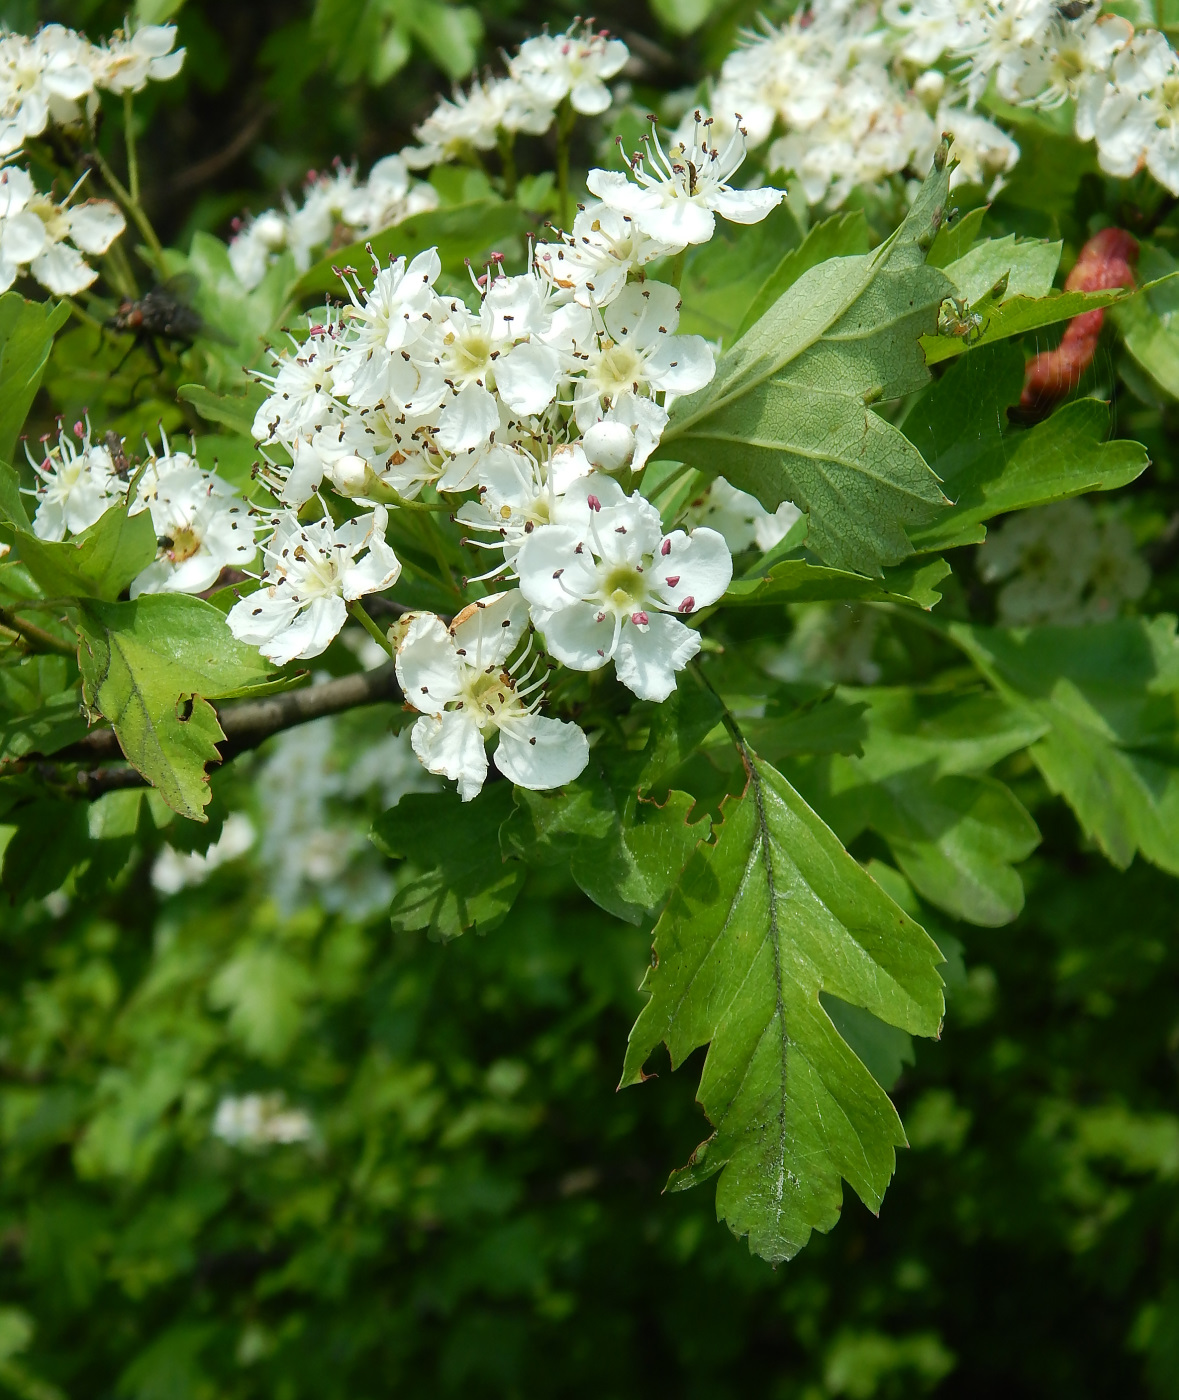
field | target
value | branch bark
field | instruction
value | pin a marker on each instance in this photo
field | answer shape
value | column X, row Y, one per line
column 245, row 723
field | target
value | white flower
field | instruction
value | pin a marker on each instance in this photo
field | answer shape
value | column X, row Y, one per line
column 640, row 355
column 42, row 78
column 611, row 588
column 677, row 199
column 984, row 154
column 469, row 120
column 202, row 525
column 128, row 64
column 741, row 518
column 519, row 493
column 460, row 679
column 386, row 198
column 574, row 65
column 257, row 1120
column 253, row 247
column 37, row 233
column 1137, row 121
column 312, row 572
column 75, row 485
column 593, row 263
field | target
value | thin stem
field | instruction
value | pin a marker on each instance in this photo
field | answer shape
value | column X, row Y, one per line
column 669, row 480
column 36, row 638
column 129, row 138
column 506, row 140
column 676, row 275
column 727, row 718
column 566, row 119
column 356, row 608
column 134, row 208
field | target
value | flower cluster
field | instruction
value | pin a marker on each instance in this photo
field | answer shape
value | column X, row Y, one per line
column 336, row 209
column 854, row 102
column 201, row 522
column 55, row 76
column 531, row 399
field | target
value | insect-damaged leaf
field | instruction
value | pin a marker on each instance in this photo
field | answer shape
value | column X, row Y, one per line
column 757, row 926
column 787, row 415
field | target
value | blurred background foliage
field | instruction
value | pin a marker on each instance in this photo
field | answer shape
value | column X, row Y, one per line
column 419, row 1179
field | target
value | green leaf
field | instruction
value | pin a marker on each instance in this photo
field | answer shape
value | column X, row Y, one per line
column 449, row 34
column 1018, row 315
column 723, row 276
column 795, row 581
column 840, row 236
column 460, row 231
column 987, row 468
column 956, row 836
column 44, row 730
column 955, row 239
column 98, row 563
column 141, row 663
column 1029, row 264
column 787, row 418
column 1110, row 696
column 758, row 925
column 464, row 881
column 624, row 850
column 1149, row 325
column 235, row 411
column 27, row 329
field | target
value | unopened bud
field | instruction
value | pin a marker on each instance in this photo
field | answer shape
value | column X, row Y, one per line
column 348, row 475
column 609, row 446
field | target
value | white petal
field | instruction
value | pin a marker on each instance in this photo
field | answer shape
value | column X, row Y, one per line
column 578, row 639
column 644, row 312
column 681, row 364
column 528, row 377
column 701, row 566
column 427, row 668
column 646, row 660
column 311, row 633
column 380, row 568
column 590, row 98
column 22, row 237
column 488, row 631
column 540, row 753
column 747, row 206
column 676, row 223
column 552, row 573
column 468, row 419
column 95, row 225
column 62, row 270
column 451, row 745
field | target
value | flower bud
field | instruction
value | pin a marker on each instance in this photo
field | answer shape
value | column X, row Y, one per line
column 349, row 475
column 609, row 446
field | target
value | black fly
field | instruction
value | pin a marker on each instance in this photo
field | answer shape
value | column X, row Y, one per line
column 163, row 313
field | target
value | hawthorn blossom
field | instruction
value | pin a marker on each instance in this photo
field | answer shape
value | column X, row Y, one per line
column 519, row 493
column 1136, row 122
column 312, row 572
column 640, row 355
column 41, row 79
column 676, row 201
column 574, row 65
column 741, row 518
column 615, row 586
column 127, row 63
column 202, row 525
column 75, row 487
column 593, row 263
column 44, row 237
column 459, row 677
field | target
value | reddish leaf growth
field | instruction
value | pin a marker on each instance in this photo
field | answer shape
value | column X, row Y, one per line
column 1105, row 262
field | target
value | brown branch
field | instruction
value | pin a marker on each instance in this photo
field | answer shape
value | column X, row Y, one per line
column 245, row 724
column 36, row 637
column 220, row 160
